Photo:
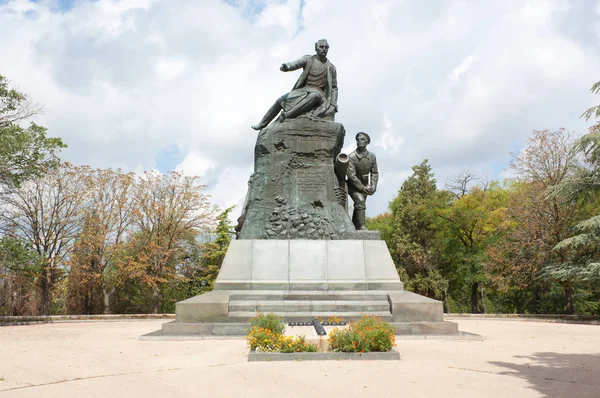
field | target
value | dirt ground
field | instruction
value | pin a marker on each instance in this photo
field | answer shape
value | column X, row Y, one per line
column 106, row 359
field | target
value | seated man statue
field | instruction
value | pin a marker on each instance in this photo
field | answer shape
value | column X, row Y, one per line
column 315, row 92
column 362, row 176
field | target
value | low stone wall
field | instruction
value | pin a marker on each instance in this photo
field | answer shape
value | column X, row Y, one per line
column 26, row 320
column 556, row 318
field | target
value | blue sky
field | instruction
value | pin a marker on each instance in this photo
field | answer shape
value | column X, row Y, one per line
column 141, row 84
column 58, row 5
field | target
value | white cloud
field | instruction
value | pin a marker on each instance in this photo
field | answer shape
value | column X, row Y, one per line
column 194, row 164
column 388, row 140
column 460, row 83
column 169, row 68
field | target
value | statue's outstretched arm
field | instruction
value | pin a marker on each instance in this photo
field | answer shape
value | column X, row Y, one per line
column 293, row 65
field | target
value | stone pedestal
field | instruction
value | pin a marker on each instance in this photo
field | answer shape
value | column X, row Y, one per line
column 304, row 279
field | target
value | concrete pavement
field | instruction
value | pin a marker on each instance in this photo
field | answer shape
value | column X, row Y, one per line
column 106, row 359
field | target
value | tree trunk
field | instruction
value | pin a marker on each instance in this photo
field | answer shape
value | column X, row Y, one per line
column 155, row 298
column 569, row 299
column 44, row 293
column 446, row 303
column 482, row 297
column 106, row 299
column 474, row 298
column 13, row 304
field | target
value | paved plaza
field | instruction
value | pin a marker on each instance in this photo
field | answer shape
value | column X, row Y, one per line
column 106, row 359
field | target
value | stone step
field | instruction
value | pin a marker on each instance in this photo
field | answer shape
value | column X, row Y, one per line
column 333, row 306
column 244, row 316
column 309, row 295
column 182, row 331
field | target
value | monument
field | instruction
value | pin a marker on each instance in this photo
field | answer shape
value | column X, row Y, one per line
column 298, row 253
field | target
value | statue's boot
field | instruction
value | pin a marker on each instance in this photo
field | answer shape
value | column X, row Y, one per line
column 359, row 220
column 270, row 115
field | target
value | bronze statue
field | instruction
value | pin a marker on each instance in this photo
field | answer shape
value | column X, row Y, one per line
column 362, row 176
column 315, row 92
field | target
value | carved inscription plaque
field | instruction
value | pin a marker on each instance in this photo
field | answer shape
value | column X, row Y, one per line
column 311, row 182
column 307, row 143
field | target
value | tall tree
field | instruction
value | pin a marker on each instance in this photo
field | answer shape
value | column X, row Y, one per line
column 25, row 152
column 412, row 235
column 44, row 212
column 106, row 221
column 583, row 249
column 170, row 209
column 539, row 222
column 473, row 219
column 213, row 253
column 19, row 266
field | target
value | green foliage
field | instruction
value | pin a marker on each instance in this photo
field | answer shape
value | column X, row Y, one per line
column 583, row 254
column 20, row 265
column 595, row 110
column 268, row 321
column 210, row 255
column 432, row 284
column 470, row 224
column 368, row 334
column 412, row 232
column 18, row 256
column 24, row 152
column 381, row 223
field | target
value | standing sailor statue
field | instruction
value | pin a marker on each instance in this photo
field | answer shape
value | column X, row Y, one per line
column 362, row 176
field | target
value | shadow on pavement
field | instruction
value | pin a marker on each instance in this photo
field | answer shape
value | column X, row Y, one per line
column 558, row 375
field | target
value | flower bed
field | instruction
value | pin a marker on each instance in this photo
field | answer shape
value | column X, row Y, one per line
column 368, row 338
column 368, row 334
column 266, row 335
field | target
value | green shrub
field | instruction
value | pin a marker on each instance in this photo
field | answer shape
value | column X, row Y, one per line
column 268, row 321
column 370, row 333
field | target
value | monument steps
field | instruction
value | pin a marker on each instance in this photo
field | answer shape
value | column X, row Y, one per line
column 333, row 306
column 309, row 295
column 304, row 316
column 301, row 280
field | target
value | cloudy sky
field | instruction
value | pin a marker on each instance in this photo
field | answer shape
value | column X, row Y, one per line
column 169, row 84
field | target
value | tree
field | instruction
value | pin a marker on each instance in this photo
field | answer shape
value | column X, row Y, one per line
column 204, row 256
column 412, row 236
column 537, row 221
column 19, row 266
column 472, row 220
column 44, row 213
column 106, row 220
column 460, row 184
column 24, row 152
column 170, row 210
column 583, row 253
column 413, row 222
column 213, row 253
